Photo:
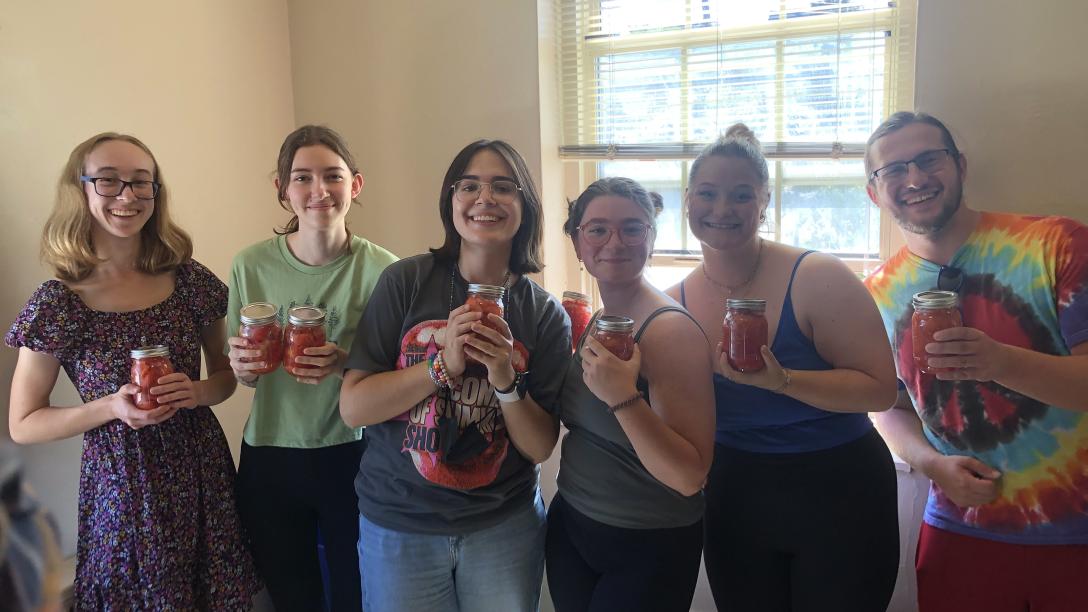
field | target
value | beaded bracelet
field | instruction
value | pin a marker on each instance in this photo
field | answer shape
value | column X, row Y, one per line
column 440, row 363
column 436, row 372
column 625, row 403
column 785, row 382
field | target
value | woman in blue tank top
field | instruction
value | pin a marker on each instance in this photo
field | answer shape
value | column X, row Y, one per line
column 801, row 499
column 625, row 530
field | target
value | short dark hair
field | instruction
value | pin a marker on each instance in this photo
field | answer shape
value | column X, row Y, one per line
column 617, row 186
column 307, row 136
column 525, row 254
column 901, row 120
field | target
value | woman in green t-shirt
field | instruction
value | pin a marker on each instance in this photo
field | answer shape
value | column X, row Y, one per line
column 298, row 461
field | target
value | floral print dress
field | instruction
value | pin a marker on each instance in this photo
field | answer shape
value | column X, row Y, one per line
column 158, row 528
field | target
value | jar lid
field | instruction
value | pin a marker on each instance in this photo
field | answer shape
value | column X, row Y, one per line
column 494, row 292
column 154, row 350
column 306, row 316
column 615, row 324
column 931, row 300
column 574, row 295
column 746, row 304
column 258, row 313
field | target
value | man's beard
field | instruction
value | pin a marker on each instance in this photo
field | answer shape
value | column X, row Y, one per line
column 936, row 225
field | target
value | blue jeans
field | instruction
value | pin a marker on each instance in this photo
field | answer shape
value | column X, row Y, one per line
column 495, row 569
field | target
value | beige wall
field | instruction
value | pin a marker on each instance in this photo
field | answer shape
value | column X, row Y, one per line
column 1008, row 78
column 409, row 85
column 206, row 84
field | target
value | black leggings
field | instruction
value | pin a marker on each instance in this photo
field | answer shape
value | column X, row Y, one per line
column 803, row 531
column 593, row 566
column 285, row 495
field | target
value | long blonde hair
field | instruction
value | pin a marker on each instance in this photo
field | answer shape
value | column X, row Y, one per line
column 67, row 245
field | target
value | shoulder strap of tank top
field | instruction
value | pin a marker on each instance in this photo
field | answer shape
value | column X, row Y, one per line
column 662, row 310
column 683, row 298
column 797, row 264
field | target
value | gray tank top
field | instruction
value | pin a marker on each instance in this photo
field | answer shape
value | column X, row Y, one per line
column 599, row 473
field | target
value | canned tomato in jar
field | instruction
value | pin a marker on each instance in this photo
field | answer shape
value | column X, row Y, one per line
column 616, row 334
column 305, row 329
column 933, row 311
column 261, row 328
column 149, row 364
column 578, row 309
column 744, row 332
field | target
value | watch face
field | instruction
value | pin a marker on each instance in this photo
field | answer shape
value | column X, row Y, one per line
column 521, row 383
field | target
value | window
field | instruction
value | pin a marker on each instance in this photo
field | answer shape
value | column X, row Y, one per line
column 645, row 84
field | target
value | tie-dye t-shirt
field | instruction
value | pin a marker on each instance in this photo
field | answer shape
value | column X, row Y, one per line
column 1025, row 284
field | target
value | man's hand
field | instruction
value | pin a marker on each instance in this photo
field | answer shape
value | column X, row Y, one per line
column 965, row 480
column 969, row 354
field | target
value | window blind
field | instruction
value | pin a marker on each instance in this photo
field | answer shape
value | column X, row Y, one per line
column 658, row 79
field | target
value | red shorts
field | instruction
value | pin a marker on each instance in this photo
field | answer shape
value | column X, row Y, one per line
column 958, row 573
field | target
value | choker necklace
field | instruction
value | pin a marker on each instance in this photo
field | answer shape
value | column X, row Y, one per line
column 453, row 274
column 730, row 289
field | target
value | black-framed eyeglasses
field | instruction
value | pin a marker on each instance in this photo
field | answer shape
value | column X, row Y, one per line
column 502, row 190
column 927, row 161
column 949, row 278
column 598, row 234
column 111, row 187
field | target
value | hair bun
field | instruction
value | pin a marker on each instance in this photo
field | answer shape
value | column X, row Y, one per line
column 658, row 202
column 740, row 131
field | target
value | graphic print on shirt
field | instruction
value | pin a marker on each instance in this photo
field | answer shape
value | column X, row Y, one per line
column 332, row 315
column 471, row 411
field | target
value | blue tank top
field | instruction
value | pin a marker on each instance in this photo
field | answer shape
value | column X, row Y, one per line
column 756, row 420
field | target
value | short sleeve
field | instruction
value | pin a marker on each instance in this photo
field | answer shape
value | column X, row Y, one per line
column 377, row 337
column 1071, row 278
column 51, row 322
column 205, row 294
column 548, row 363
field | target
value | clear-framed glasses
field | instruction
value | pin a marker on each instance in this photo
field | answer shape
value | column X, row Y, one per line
column 598, row 234
column 503, row 191
column 111, row 187
column 927, row 161
column 949, row 278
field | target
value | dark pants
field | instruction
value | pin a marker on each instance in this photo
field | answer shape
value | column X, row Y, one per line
column 285, row 495
column 593, row 566
column 805, row 532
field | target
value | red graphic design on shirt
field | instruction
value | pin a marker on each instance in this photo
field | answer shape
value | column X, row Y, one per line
column 471, row 404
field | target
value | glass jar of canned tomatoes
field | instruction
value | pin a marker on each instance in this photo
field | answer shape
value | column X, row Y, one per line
column 305, row 329
column 616, row 334
column 149, row 364
column 744, row 331
column 486, row 299
column 933, row 311
column 580, row 312
column 262, row 330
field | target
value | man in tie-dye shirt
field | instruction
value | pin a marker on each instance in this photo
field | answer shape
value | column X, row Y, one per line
column 1002, row 431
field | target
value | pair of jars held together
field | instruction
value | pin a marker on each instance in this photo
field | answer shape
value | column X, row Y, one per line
column 260, row 327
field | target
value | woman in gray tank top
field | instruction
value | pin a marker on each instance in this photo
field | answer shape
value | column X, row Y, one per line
column 624, row 531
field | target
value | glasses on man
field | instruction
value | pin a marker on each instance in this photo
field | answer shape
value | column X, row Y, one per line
column 927, row 161
column 598, row 234
column 111, row 187
column 949, row 278
column 502, row 191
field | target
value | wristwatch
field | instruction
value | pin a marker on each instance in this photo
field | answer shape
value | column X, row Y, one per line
column 516, row 391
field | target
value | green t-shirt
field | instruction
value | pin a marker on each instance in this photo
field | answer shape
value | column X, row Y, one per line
column 285, row 412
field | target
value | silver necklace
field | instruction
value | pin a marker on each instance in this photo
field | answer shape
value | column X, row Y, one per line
column 453, row 274
column 730, row 289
